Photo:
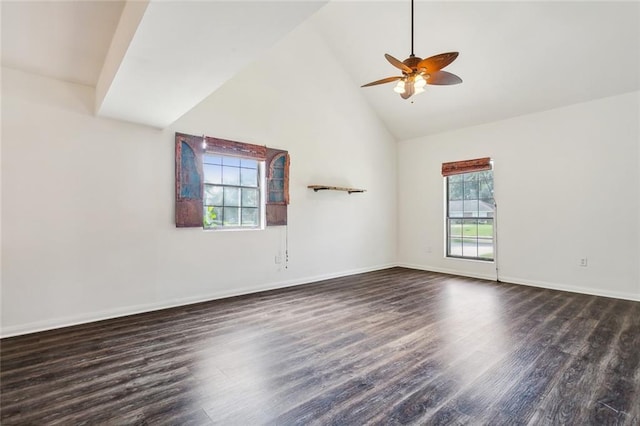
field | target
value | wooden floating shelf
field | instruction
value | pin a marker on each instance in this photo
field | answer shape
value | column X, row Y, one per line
column 317, row 188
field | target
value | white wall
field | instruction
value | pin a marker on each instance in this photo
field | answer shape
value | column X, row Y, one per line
column 87, row 217
column 567, row 185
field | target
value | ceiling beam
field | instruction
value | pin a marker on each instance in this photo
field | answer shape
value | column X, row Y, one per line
column 166, row 57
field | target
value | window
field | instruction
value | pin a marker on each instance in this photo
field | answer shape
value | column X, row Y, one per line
column 232, row 192
column 470, row 210
column 227, row 184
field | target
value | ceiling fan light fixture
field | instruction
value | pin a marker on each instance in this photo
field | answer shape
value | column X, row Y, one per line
column 419, row 82
column 399, row 87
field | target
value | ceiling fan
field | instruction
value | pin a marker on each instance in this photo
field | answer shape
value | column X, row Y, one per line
column 417, row 72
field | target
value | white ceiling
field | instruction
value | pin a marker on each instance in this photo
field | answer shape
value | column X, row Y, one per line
column 67, row 40
column 515, row 57
column 181, row 52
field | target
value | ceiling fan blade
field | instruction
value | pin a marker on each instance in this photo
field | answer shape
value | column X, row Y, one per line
column 437, row 62
column 382, row 81
column 443, row 78
column 398, row 64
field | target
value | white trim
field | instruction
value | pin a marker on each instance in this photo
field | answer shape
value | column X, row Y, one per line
column 572, row 288
column 531, row 283
column 449, row 271
column 34, row 327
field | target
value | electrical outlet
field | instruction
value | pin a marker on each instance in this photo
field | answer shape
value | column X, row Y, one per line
column 583, row 262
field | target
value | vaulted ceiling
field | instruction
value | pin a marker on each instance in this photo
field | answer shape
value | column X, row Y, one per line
column 152, row 61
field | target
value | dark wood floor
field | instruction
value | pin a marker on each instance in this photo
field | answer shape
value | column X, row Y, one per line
column 390, row 347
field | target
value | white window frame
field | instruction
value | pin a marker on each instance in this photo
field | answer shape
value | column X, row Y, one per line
column 448, row 218
column 261, row 194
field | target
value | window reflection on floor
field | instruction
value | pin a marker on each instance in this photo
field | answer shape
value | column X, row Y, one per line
column 235, row 373
column 471, row 323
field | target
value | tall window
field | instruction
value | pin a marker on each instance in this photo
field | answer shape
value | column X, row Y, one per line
column 231, row 192
column 470, row 215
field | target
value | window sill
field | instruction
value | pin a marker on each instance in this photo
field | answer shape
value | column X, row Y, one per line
column 234, row 229
column 467, row 259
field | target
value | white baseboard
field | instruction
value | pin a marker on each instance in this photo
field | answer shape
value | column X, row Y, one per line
column 531, row 283
column 447, row 271
column 572, row 288
column 34, row 327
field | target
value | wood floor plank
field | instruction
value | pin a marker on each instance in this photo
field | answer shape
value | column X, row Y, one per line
column 395, row 346
column 573, row 398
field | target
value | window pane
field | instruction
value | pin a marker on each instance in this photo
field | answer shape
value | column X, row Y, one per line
column 249, row 177
column 470, row 228
column 212, row 216
column 485, row 191
column 219, row 216
column 231, row 161
column 276, row 196
column 455, row 178
column 279, row 162
column 455, row 228
column 485, row 209
column 470, row 177
column 486, row 176
column 230, row 175
column 485, row 247
column 232, row 197
column 455, row 208
column 276, row 185
column 212, row 159
column 278, row 173
column 485, row 228
column 470, row 247
column 455, row 191
column 470, row 208
column 471, row 190
column 249, row 164
column 455, row 247
column 250, row 197
column 232, row 216
column 212, row 174
column 249, row 217
column 213, row 195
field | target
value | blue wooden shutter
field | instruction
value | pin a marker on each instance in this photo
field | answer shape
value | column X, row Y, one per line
column 277, row 192
column 189, row 181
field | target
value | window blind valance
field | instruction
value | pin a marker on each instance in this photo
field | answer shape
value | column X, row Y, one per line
column 227, row 147
column 467, row 166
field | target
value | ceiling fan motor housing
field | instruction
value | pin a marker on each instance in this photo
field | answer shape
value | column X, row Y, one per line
column 412, row 62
